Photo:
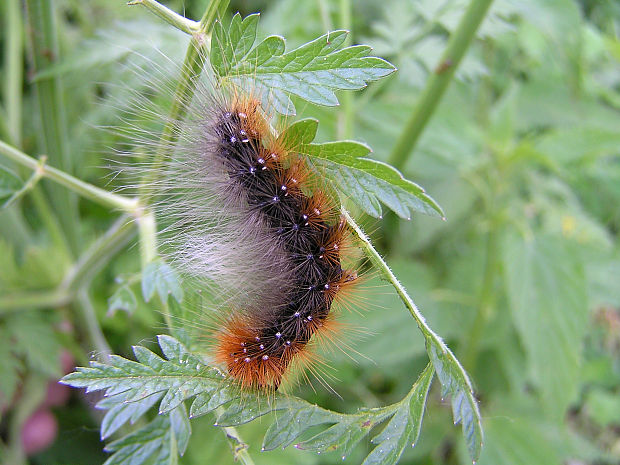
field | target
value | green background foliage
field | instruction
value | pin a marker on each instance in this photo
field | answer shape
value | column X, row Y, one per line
column 522, row 152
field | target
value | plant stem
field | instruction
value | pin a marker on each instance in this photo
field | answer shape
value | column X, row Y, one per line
column 28, row 185
column 485, row 304
column 459, row 42
column 85, row 189
column 13, row 50
column 387, row 274
column 324, row 11
column 43, row 32
column 180, row 22
column 98, row 254
column 239, row 448
column 46, row 299
column 95, row 334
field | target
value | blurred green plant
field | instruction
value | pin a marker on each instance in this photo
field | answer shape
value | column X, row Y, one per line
column 521, row 150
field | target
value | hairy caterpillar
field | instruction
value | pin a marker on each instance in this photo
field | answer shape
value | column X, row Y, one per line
column 247, row 218
column 258, row 347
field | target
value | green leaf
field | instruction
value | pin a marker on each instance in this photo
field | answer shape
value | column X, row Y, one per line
column 123, row 299
column 43, row 355
column 157, row 440
column 299, row 133
column 404, row 427
column 132, row 388
column 547, row 295
column 368, row 182
column 159, row 276
column 312, row 72
column 456, row 384
column 9, row 183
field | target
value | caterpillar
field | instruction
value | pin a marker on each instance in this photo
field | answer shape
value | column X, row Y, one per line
column 247, row 217
column 257, row 349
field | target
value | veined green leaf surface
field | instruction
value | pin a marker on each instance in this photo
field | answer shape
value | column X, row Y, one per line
column 132, row 388
column 312, row 72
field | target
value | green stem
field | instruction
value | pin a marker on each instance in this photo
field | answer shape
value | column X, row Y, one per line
column 239, row 448
column 98, row 254
column 324, row 11
column 147, row 228
column 14, row 69
column 85, row 189
column 459, row 42
column 180, row 22
column 28, row 185
column 485, row 304
column 388, row 275
column 43, row 33
column 46, row 299
column 95, row 334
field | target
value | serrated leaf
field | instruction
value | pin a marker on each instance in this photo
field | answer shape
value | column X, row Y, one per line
column 159, row 277
column 367, row 181
column 179, row 423
column 404, row 427
column 131, row 388
column 165, row 435
column 456, row 384
column 235, row 42
column 121, row 413
column 292, row 422
column 123, row 299
column 547, row 295
column 312, row 72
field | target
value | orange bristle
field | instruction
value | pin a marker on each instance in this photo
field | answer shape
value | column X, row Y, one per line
column 337, row 243
column 246, row 358
column 292, row 178
column 318, row 208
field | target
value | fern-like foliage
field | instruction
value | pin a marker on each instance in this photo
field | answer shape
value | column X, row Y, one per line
column 313, row 71
column 132, row 388
column 365, row 181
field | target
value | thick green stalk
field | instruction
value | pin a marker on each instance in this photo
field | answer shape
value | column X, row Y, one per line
column 43, row 33
column 33, row 300
column 13, row 49
column 78, row 186
column 459, row 42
